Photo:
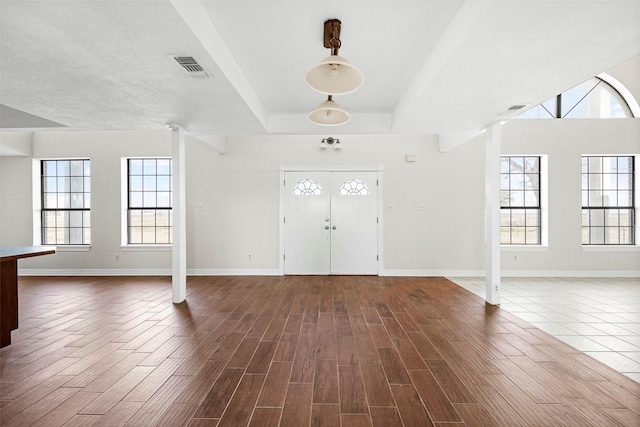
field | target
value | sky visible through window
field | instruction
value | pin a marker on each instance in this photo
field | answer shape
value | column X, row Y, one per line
column 594, row 98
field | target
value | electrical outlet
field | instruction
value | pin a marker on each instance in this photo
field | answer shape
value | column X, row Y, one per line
column 389, row 207
column 515, row 258
column 422, row 206
column 117, row 257
column 249, row 256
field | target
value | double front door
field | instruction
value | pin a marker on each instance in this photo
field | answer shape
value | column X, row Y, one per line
column 331, row 222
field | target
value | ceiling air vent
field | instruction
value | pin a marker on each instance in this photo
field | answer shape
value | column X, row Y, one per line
column 512, row 110
column 189, row 64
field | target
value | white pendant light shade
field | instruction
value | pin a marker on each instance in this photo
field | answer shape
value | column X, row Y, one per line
column 329, row 113
column 334, row 75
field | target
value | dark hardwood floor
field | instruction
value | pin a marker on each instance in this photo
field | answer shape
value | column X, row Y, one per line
column 292, row 351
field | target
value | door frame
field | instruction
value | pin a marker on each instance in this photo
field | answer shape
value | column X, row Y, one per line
column 378, row 169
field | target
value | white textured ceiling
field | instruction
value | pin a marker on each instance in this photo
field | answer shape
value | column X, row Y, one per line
column 429, row 66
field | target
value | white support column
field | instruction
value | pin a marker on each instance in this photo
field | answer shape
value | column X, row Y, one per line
column 179, row 253
column 492, row 212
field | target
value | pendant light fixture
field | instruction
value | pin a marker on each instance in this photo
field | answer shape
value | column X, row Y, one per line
column 329, row 113
column 334, row 75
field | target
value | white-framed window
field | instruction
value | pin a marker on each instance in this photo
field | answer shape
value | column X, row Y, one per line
column 608, row 200
column 65, row 202
column 523, row 200
column 149, row 216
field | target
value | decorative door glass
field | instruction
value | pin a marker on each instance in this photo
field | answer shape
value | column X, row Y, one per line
column 307, row 187
column 354, row 187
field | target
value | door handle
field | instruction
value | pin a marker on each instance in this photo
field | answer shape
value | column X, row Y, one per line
column 326, row 227
column 334, row 227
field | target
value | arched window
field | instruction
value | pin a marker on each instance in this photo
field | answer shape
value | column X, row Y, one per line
column 593, row 99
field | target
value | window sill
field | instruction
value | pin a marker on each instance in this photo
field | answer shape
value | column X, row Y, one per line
column 146, row 248
column 610, row 248
column 70, row 248
column 528, row 248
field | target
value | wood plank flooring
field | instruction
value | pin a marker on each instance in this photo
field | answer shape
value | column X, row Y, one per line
column 292, row 351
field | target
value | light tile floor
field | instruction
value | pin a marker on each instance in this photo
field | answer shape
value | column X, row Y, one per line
column 598, row 316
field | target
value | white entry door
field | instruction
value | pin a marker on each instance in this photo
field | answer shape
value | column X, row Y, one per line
column 307, row 223
column 331, row 223
column 354, row 223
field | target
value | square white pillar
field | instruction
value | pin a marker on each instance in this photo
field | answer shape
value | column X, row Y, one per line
column 179, row 251
column 492, row 212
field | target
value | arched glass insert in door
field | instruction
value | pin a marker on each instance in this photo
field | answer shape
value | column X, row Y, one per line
column 353, row 187
column 307, row 187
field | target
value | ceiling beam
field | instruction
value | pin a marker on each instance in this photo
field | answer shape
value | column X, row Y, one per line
column 197, row 18
column 457, row 32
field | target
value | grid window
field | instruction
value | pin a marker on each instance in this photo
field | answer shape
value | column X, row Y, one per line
column 608, row 204
column 520, row 212
column 149, row 219
column 66, row 202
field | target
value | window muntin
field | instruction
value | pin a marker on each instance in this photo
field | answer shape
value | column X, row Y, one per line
column 149, row 216
column 353, row 187
column 520, row 194
column 608, row 205
column 307, row 187
column 65, row 201
column 594, row 98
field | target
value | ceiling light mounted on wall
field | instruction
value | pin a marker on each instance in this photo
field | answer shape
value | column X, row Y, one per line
column 330, row 142
column 329, row 113
column 334, row 75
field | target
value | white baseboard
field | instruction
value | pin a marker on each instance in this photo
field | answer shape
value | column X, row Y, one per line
column 433, row 273
column 276, row 272
column 94, row 272
column 515, row 273
column 145, row 272
column 233, row 272
column 570, row 273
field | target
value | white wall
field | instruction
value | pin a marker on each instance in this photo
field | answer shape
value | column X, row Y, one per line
column 565, row 141
column 105, row 150
column 239, row 193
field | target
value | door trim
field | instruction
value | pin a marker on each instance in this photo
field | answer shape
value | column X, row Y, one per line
column 378, row 169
